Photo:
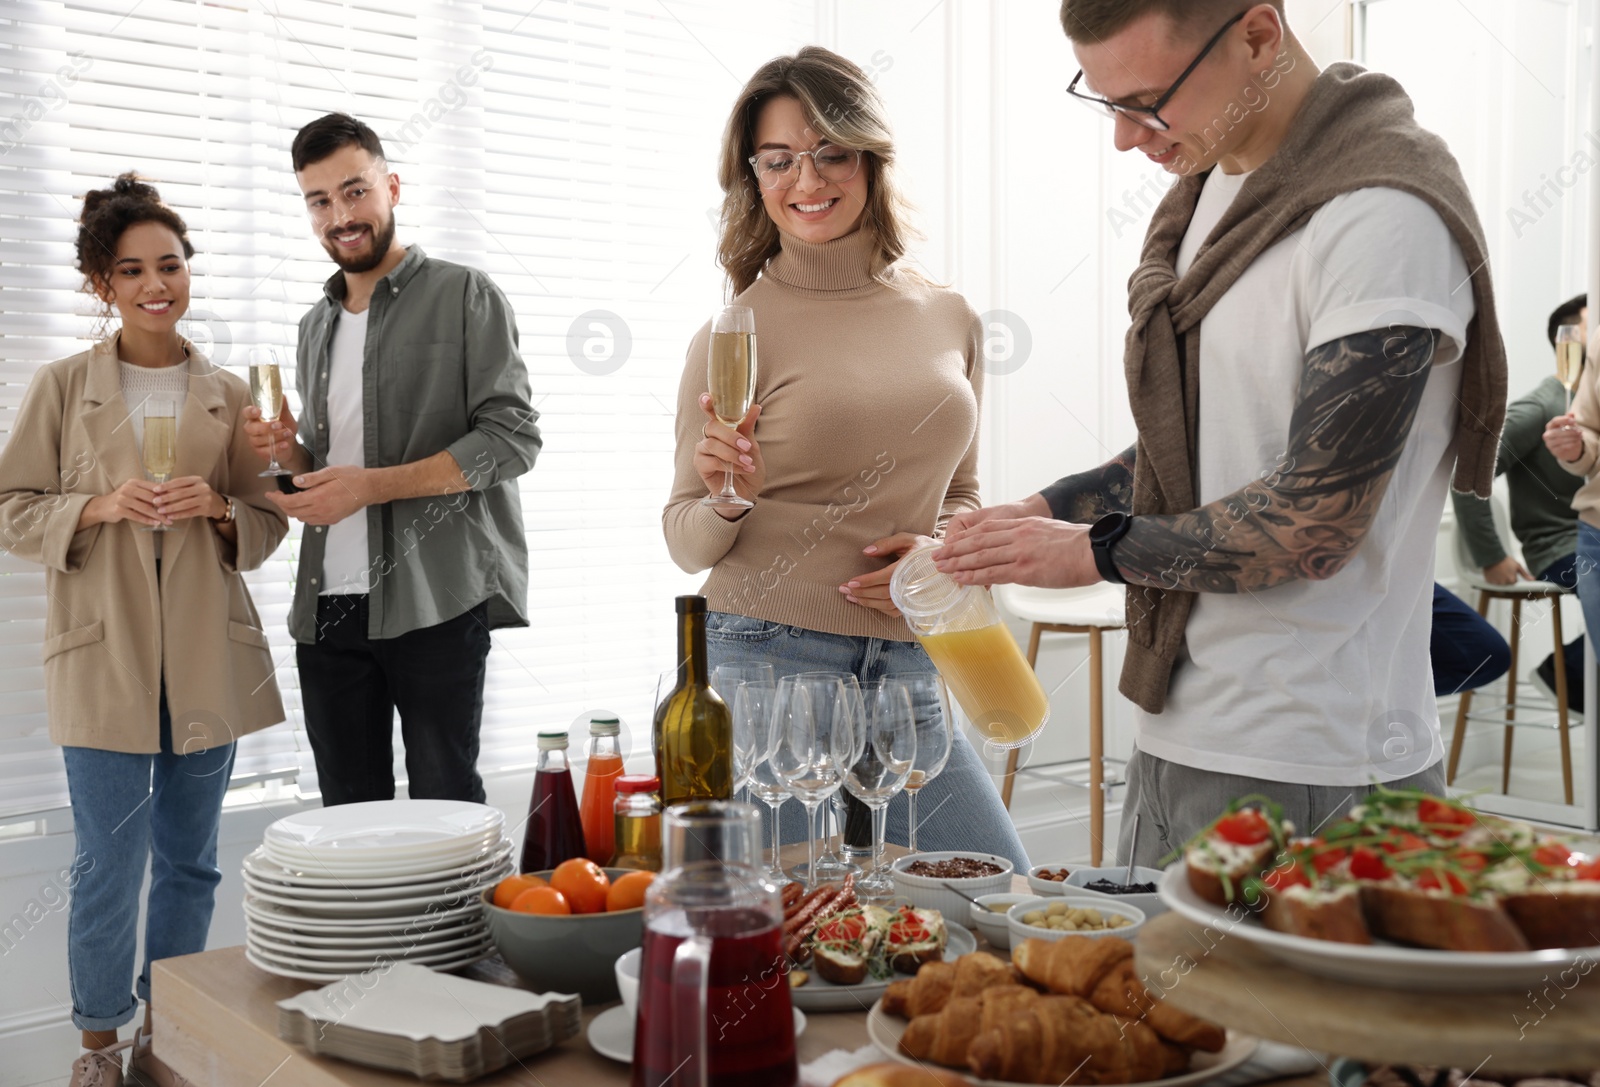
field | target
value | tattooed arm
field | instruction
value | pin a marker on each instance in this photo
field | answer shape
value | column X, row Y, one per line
column 1305, row 519
column 1089, row 496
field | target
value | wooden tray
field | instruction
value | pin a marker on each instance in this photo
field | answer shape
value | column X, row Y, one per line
column 1555, row 1027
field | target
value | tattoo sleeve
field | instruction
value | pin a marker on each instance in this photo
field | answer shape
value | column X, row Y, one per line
column 1304, row 517
column 1089, row 496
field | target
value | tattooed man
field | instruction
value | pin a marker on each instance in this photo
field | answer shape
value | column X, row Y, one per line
column 1313, row 348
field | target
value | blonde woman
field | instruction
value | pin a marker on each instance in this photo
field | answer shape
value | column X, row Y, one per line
column 864, row 437
column 154, row 658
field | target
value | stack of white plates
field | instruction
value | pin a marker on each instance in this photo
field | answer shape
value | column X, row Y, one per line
column 345, row 890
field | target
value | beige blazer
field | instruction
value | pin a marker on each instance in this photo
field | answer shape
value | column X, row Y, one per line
column 112, row 630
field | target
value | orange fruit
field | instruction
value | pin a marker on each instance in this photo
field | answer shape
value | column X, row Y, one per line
column 627, row 893
column 541, row 900
column 584, row 884
column 507, row 890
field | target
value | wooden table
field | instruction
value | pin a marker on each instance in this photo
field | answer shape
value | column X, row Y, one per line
column 1238, row 984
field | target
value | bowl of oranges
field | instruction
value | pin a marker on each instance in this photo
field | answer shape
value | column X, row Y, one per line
column 562, row 930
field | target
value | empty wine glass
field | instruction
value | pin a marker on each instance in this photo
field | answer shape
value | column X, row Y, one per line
column 813, row 741
column 931, row 709
column 831, row 865
column 725, row 680
column 753, row 705
column 886, row 748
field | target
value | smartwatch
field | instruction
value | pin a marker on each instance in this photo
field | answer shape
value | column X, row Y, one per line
column 1103, row 536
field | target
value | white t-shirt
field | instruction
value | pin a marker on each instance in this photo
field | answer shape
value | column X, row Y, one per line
column 1320, row 682
column 344, row 561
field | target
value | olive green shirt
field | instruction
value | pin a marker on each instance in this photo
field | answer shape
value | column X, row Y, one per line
column 1541, row 491
column 440, row 371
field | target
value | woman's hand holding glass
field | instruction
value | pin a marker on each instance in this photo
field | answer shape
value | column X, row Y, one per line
column 722, row 449
column 188, row 496
column 887, row 747
column 134, row 501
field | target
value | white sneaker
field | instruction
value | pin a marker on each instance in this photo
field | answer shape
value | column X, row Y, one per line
column 99, row 1067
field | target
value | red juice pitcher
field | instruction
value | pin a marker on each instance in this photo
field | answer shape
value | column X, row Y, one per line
column 714, row 1005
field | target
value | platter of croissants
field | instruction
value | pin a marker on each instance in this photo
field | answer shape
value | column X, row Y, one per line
column 1070, row 1012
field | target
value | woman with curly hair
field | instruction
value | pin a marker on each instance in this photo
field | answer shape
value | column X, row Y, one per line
column 154, row 658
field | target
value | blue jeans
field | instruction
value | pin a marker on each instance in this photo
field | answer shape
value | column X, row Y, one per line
column 959, row 809
column 1465, row 648
column 1564, row 571
column 127, row 809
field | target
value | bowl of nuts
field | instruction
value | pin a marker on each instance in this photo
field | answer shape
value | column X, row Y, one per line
column 1051, row 918
column 1049, row 879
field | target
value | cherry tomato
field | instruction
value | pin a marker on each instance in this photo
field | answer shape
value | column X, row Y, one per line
column 1429, row 881
column 1445, row 820
column 1587, row 869
column 1551, row 854
column 1244, row 827
column 1368, row 864
column 1325, row 860
column 1285, row 876
column 1472, row 862
column 1403, row 842
column 842, row 929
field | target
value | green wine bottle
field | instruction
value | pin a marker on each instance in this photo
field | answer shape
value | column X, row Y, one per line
column 693, row 726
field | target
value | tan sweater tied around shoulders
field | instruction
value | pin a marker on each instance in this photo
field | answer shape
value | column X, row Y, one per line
column 869, row 394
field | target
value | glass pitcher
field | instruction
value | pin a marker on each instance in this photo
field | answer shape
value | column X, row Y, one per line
column 714, row 1005
column 961, row 629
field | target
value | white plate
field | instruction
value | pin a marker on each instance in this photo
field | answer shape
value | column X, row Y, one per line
column 299, row 921
column 356, row 964
column 272, row 943
column 382, row 828
column 1390, row 966
column 265, row 869
column 817, row 995
column 361, row 939
column 331, row 975
column 357, row 862
column 480, row 878
column 388, row 872
column 397, row 907
column 611, row 1032
column 885, row 1031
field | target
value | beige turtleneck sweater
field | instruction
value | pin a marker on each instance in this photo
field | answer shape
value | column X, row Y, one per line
column 869, row 397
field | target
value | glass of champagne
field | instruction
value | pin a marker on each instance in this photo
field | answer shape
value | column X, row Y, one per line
column 731, row 377
column 1569, row 358
column 931, row 708
column 266, row 392
column 887, row 733
column 159, row 449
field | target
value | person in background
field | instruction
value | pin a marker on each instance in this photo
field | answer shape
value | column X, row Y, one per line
column 415, row 425
column 867, row 400
column 1465, row 649
column 155, row 663
column 1313, row 356
column 1542, row 514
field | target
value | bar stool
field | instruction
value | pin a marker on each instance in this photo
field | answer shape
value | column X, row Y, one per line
column 1091, row 610
column 1473, row 578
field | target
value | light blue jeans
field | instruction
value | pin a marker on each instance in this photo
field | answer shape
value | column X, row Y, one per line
column 959, row 809
column 1588, row 563
column 127, row 809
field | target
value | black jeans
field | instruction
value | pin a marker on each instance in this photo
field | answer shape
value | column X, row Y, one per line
column 351, row 685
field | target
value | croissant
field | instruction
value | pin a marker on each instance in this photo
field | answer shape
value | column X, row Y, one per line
column 944, row 1037
column 937, row 982
column 1065, row 1040
column 1100, row 969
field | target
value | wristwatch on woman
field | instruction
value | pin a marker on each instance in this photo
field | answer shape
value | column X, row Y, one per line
column 227, row 518
column 1103, row 536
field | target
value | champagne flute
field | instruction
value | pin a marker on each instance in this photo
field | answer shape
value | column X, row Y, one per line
column 159, row 447
column 805, row 755
column 731, row 376
column 266, row 392
column 887, row 730
column 753, row 706
column 1569, row 358
column 931, row 709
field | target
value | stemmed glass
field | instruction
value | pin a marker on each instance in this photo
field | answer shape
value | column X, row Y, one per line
column 812, row 727
column 931, row 709
column 731, row 380
column 1569, row 358
column 159, row 446
column 883, row 757
column 753, row 705
column 830, row 865
column 726, row 679
column 266, row 392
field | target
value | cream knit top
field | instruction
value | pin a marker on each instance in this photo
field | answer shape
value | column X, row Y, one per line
column 869, row 426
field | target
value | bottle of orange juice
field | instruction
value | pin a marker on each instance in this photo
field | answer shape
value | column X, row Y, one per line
column 961, row 629
column 600, row 788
